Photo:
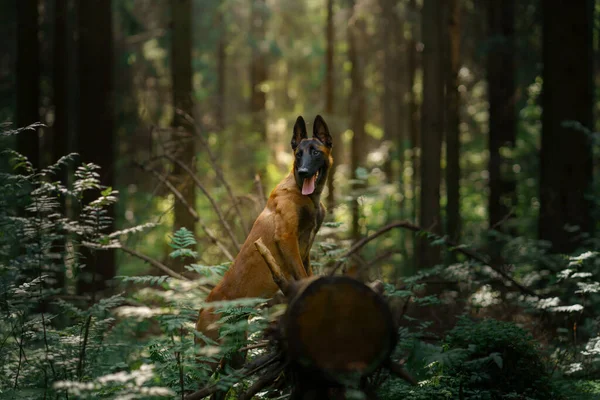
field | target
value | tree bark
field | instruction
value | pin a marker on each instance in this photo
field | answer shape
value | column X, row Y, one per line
column 357, row 108
column 181, row 71
column 453, row 120
column 321, row 332
column 221, row 69
column 432, row 126
column 60, row 130
column 258, row 66
column 568, row 95
column 389, row 100
column 28, row 79
column 502, row 117
column 413, row 111
column 96, row 120
column 329, row 102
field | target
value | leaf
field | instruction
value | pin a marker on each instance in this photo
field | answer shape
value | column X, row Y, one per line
column 497, row 358
column 568, row 309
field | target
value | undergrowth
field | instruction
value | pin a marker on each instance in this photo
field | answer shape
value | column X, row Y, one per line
column 138, row 342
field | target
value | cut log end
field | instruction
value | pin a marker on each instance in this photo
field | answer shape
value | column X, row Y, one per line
column 339, row 327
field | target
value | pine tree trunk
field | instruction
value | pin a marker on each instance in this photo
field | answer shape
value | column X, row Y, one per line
column 502, row 122
column 181, row 71
column 28, row 78
column 357, row 113
column 60, row 128
column 413, row 111
column 221, row 70
column 329, row 103
column 95, row 134
column 568, row 94
column 258, row 66
column 453, row 120
column 432, row 126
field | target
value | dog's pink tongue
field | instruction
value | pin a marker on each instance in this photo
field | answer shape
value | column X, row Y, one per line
column 309, row 185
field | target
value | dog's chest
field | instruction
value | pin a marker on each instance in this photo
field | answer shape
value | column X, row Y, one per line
column 307, row 225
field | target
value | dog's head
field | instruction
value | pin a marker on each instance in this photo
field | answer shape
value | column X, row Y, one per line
column 312, row 157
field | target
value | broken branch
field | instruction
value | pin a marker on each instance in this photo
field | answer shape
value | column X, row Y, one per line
column 278, row 276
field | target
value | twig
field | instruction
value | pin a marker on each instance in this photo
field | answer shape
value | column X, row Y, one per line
column 255, row 346
column 263, row 382
column 278, row 276
column 217, row 169
column 453, row 247
column 260, row 191
column 210, row 199
column 190, row 209
column 86, row 330
column 153, row 262
column 210, row 389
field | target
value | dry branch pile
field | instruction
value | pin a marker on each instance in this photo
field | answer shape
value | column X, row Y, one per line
column 335, row 333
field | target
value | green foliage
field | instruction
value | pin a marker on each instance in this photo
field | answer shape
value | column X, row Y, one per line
column 139, row 346
column 498, row 358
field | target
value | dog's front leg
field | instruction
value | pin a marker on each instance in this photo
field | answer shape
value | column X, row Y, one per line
column 290, row 251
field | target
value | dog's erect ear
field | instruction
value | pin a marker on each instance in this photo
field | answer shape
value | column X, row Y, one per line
column 299, row 132
column 321, row 131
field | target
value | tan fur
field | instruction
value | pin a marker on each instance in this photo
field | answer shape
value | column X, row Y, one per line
column 288, row 226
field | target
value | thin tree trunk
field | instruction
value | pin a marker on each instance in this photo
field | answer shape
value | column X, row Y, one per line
column 329, row 102
column 432, row 126
column 28, row 78
column 357, row 112
column 453, row 120
column 389, row 99
column 60, row 131
column 502, row 120
column 181, row 71
column 258, row 66
column 566, row 158
column 96, row 120
column 221, row 69
column 413, row 111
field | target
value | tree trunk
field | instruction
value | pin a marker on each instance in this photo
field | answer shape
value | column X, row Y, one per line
column 502, row 121
column 258, row 66
column 389, row 100
column 321, row 332
column 60, row 130
column 181, row 72
column 432, row 126
column 568, row 95
column 413, row 111
column 357, row 112
column 329, row 103
column 453, row 120
column 28, row 78
column 221, row 69
column 95, row 131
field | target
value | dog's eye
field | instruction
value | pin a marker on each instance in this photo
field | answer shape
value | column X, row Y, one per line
column 315, row 152
column 298, row 154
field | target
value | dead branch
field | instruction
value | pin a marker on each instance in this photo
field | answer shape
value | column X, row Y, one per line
column 260, row 191
column 254, row 346
column 217, row 169
column 212, row 201
column 153, row 262
column 278, row 276
column 250, row 369
column 453, row 247
column 190, row 209
column 264, row 381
